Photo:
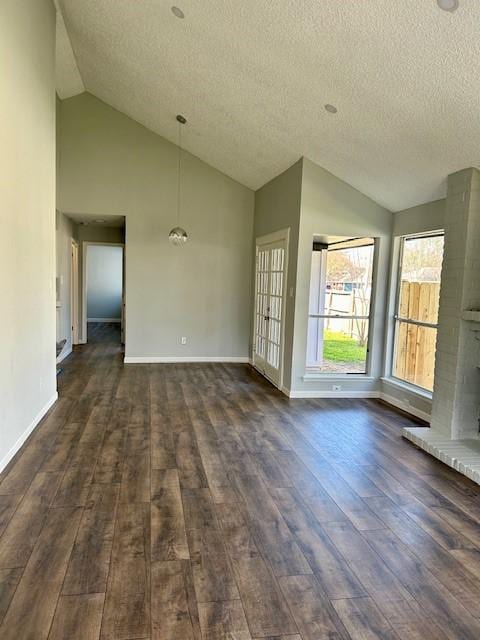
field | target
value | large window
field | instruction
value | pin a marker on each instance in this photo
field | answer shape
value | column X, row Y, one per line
column 339, row 309
column 416, row 314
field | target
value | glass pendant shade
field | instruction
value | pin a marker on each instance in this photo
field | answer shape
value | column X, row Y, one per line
column 178, row 236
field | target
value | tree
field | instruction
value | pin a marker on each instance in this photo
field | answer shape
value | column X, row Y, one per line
column 340, row 267
column 354, row 264
column 422, row 255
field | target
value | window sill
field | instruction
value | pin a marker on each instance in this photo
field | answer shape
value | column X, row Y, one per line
column 311, row 376
column 411, row 388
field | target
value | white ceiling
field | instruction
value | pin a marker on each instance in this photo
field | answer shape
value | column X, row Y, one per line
column 252, row 77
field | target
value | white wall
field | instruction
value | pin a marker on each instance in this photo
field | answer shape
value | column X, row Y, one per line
column 104, row 282
column 109, row 164
column 27, row 213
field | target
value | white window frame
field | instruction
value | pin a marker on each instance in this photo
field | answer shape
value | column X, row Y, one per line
column 395, row 318
column 311, row 371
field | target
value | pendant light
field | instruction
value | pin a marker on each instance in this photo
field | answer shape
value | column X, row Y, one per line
column 178, row 235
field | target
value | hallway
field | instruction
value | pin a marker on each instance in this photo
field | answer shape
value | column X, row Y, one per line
column 180, row 502
column 104, row 332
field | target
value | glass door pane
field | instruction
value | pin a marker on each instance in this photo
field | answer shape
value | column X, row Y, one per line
column 269, row 309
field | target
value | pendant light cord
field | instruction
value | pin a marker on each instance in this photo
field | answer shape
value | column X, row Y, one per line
column 179, row 169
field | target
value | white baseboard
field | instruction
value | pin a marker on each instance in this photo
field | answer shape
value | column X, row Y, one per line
column 325, row 393
column 63, row 355
column 9, row 455
column 408, row 408
column 104, row 319
column 404, row 406
column 184, row 359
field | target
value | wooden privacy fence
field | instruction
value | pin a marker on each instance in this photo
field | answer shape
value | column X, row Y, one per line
column 415, row 345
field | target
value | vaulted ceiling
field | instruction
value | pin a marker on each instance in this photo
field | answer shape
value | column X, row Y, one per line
column 253, row 76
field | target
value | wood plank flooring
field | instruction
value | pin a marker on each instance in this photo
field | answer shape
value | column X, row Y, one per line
column 196, row 502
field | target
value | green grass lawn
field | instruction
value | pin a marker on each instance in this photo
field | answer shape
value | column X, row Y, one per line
column 341, row 348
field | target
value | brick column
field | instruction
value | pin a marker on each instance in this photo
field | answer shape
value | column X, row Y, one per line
column 456, row 394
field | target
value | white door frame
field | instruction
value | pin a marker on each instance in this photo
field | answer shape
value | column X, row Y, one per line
column 85, row 245
column 260, row 241
column 74, row 299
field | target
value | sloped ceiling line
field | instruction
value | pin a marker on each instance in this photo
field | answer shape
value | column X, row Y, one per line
column 69, row 81
column 253, row 79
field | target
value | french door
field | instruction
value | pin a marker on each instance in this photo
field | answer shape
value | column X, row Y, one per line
column 271, row 258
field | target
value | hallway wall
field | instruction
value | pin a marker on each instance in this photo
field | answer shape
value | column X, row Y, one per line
column 109, row 164
column 27, row 211
column 104, row 283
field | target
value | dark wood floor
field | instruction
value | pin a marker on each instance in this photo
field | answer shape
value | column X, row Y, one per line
column 103, row 332
column 197, row 502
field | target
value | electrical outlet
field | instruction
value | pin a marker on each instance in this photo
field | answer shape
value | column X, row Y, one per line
column 183, row 340
column 336, row 387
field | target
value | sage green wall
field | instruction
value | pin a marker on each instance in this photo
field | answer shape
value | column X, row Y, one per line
column 311, row 201
column 27, row 212
column 109, row 164
column 425, row 217
column 96, row 233
column 330, row 206
column 277, row 206
column 421, row 219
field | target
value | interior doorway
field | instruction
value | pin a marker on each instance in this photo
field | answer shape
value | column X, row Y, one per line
column 270, row 291
column 103, row 292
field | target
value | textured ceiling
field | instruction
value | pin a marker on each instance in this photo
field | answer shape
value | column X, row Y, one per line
column 252, row 78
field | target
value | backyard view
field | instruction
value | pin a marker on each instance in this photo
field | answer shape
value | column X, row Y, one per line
column 417, row 309
column 340, row 291
column 339, row 347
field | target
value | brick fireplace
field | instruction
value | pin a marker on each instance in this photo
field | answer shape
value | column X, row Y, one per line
column 454, row 433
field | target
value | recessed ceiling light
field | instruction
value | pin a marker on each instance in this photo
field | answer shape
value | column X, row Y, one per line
column 178, row 12
column 330, row 108
column 448, row 5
